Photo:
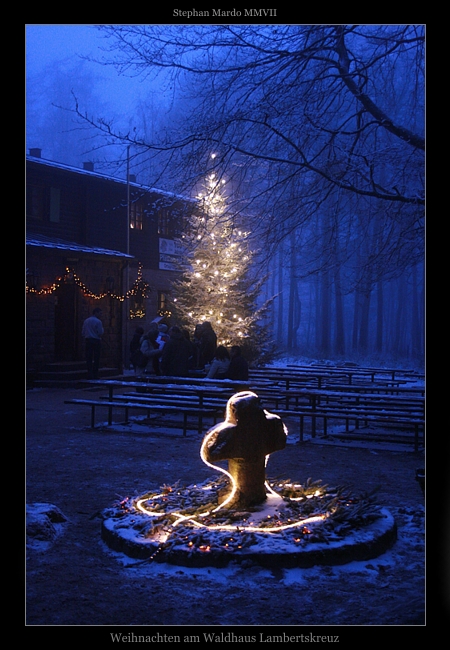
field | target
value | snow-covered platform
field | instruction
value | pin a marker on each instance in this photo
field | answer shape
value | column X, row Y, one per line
column 297, row 526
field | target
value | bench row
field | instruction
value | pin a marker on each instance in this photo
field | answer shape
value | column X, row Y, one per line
column 392, row 407
column 358, row 416
column 151, row 407
column 215, row 410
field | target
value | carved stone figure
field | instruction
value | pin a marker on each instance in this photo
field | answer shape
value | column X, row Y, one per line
column 248, row 435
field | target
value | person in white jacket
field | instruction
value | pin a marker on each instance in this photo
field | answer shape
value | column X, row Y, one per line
column 149, row 350
column 92, row 332
column 219, row 364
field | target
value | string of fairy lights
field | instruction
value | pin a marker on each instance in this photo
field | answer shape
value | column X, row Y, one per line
column 139, row 287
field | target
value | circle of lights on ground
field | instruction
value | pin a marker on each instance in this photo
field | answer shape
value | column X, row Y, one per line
column 297, row 525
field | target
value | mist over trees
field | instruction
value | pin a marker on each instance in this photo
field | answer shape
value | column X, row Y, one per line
column 319, row 130
column 47, row 124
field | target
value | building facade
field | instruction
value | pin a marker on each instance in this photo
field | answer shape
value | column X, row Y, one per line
column 94, row 240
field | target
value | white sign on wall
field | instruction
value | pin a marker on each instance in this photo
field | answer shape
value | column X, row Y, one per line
column 170, row 252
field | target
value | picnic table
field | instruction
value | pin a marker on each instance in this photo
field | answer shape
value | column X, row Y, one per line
column 317, row 397
column 406, row 412
column 378, row 389
column 320, row 377
column 164, row 395
column 289, row 378
column 173, row 385
column 201, row 397
column 394, row 373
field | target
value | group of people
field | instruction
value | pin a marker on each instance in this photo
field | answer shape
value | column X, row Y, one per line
column 148, row 348
column 172, row 352
column 169, row 352
column 228, row 364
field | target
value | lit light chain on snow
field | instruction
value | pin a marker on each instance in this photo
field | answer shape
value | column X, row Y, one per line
column 180, row 518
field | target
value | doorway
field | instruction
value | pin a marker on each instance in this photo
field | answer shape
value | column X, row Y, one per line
column 66, row 323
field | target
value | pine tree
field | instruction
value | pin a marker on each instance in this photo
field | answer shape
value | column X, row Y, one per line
column 216, row 284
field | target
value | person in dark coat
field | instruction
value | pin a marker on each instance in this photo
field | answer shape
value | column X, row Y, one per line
column 175, row 354
column 238, row 368
column 192, row 349
column 196, row 340
column 135, row 344
column 208, row 344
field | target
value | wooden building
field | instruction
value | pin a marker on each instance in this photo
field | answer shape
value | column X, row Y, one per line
column 94, row 240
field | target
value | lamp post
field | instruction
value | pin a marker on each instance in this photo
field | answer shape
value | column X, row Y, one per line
column 127, row 273
column 128, row 201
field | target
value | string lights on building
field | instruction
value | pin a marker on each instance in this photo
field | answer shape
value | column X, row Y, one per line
column 140, row 288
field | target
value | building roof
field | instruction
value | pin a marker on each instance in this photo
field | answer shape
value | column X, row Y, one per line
column 105, row 177
column 41, row 241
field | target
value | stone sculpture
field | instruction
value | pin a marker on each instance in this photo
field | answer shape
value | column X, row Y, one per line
column 246, row 438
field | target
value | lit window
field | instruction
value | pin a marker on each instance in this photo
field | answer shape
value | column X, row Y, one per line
column 136, row 217
column 162, row 301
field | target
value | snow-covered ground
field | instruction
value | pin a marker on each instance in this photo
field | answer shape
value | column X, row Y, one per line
column 74, row 578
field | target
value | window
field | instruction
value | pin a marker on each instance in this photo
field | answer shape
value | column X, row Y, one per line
column 44, row 203
column 136, row 217
column 36, row 202
column 55, row 202
column 169, row 223
column 163, row 302
column 164, row 223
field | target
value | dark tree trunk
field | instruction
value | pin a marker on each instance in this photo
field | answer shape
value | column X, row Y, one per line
column 340, row 330
column 280, row 334
column 325, row 324
column 415, row 321
column 380, row 313
column 363, row 343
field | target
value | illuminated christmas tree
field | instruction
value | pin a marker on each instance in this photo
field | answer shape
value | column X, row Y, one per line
column 216, row 283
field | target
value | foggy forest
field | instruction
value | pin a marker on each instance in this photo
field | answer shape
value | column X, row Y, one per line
column 319, row 133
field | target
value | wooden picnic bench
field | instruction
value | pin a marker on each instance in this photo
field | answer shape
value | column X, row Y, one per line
column 359, row 414
column 200, row 399
column 214, row 406
column 324, row 380
column 411, row 375
column 150, row 407
column 378, row 387
column 154, row 398
column 164, row 385
column 379, row 400
column 275, row 376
